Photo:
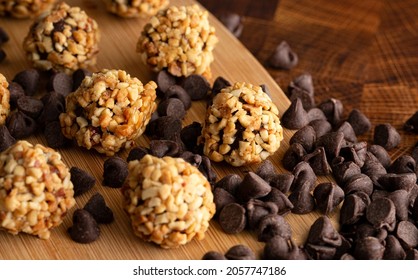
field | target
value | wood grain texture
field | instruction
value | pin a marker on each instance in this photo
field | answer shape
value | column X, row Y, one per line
column 117, row 241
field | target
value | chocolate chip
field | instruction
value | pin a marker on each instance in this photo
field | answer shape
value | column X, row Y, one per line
column 206, row 169
column 232, row 218
column 386, row 136
column 412, row 254
column 279, row 248
column 230, row 183
column 392, row 182
column 306, row 136
column 233, row 22
column 6, row 140
column 372, row 167
column 54, row 136
column 172, row 107
column 53, row 106
column 266, row 170
column 318, row 161
column 381, row 213
column 304, row 179
column 16, row 92
column 283, row 57
column 193, row 159
column 221, row 197
column 322, row 232
column 332, row 142
column 61, row 83
column 252, row 186
column 97, row 207
column 165, row 127
column 78, row 77
column 303, row 202
column 164, row 81
column 85, row 228
column 321, row 127
column 282, row 181
column 240, row 252
column 177, row 92
column 29, row 80
column 190, row 134
column 162, row 148
column 403, row 164
column 348, row 132
column 196, row 86
column 320, row 252
column 31, row 106
column 343, row 170
column 4, row 37
column 219, row 84
column 328, row 196
column 407, row 233
column 271, row 225
column 293, row 155
column 368, row 248
column 393, row 249
column 213, row 255
column 256, row 209
column 137, row 153
column 295, row 117
column 302, row 87
column 282, row 202
column 20, row 125
column 411, row 124
column 355, row 152
column 358, row 182
column 115, row 171
column 359, row 122
column 333, row 110
column 381, row 154
column 353, row 208
column 81, row 180
column 315, row 114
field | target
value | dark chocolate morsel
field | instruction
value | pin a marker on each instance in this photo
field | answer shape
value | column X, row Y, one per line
column 115, row 171
column 97, row 207
column 240, row 252
column 85, row 228
column 283, row 57
column 386, row 136
column 359, row 122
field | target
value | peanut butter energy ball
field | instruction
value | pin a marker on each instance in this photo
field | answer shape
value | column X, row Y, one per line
column 108, row 111
column 4, row 99
column 65, row 39
column 179, row 39
column 129, row 9
column 168, row 200
column 24, row 8
column 35, row 189
column 242, row 126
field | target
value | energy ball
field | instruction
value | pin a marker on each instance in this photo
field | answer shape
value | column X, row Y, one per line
column 64, row 40
column 35, row 189
column 168, row 200
column 24, row 8
column 179, row 40
column 130, row 9
column 242, row 126
column 108, row 111
column 4, row 99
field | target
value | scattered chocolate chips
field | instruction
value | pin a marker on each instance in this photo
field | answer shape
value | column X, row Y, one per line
column 221, row 197
column 252, row 186
column 78, row 77
column 282, row 181
column 393, row 249
column 53, row 106
column 344, row 170
column 328, row 196
column 257, row 209
column 189, row 135
column 358, row 182
column 348, row 131
column 403, row 164
column 193, row 159
column 381, row 213
column 386, row 136
column 196, row 86
column 303, row 202
column 28, row 79
column 85, row 228
column 61, row 83
column 302, row 87
column 282, row 202
column 97, row 207
column 166, row 127
column 137, row 153
column 271, row 225
column 232, row 218
column 213, row 255
column 333, row 110
column 306, row 136
column 381, row 154
column 177, row 92
column 219, row 84
column 318, row 161
column 304, row 177
column 164, row 81
column 16, row 92
column 283, row 57
column 321, row 127
column 407, row 233
column 332, row 142
column 266, row 170
column 115, row 171
column 20, row 125
column 206, row 169
column 240, row 252
column 7, row 139
column 233, row 22
column 4, row 37
column 293, row 155
column 368, row 248
column 352, row 209
column 359, row 122
column 162, row 148
column 295, row 117
column 411, row 124
column 53, row 135
column 279, row 248
column 229, row 183
column 82, row 180
column 172, row 107
column 29, row 105
column 392, row 182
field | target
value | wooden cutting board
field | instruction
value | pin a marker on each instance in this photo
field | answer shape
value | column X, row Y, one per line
column 117, row 241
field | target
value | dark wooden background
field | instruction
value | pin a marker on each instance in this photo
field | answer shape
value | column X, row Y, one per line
column 364, row 53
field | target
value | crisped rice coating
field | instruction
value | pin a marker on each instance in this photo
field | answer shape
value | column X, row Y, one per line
column 35, row 189
column 108, row 111
column 24, row 8
column 64, row 39
column 242, row 126
column 179, row 39
column 135, row 8
column 4, row 99
column 168, row 200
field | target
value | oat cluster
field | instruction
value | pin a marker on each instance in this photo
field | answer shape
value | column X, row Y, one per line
column 65, row 39
column 4, row 99
column 24, row 8
column 180, row 40
column 108, row 111
column 135, row 8
column 242, row 126
column 168, row 200
column 35, row 189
